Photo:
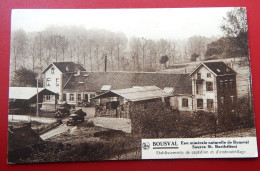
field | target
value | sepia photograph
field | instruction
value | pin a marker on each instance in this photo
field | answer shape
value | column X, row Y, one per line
column 93, row 84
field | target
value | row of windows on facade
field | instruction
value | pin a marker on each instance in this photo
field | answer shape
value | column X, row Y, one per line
column 185, row 102
column 229, row 85
column 48, row 80
column 199, row 75
column 226, row 85
column 71, row 97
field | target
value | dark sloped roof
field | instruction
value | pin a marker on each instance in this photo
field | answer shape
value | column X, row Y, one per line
column 93, row 81
column 72, row 66
column 22, row 137
column 218, row 68
column 62, row 66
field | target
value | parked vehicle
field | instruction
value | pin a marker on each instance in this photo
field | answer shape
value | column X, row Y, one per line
column 76, row 117
column 62, row 112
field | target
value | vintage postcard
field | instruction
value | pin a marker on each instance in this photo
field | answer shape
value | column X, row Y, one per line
column 127, row 84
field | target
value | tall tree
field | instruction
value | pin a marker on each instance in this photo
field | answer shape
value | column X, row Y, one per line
column 235, row 25
column 19, row 44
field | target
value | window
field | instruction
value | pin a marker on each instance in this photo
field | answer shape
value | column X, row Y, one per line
column 198, row 76
column 208, row 74
column 232, row 100
column 52, row 70
column 200, row 103
column 222, row 99
column 57, row 81
column 209, row 103
column 221, row 86
column 231, row 84
column 209, row 86
column 71, row 97
column 185, row 102
column 64, row 97
column 197, row 88
column 79, row 97
column 226, row 84
column 48, row 80
column 86, row 97
column 227, row 70
column 47, row 97
column 92, row 95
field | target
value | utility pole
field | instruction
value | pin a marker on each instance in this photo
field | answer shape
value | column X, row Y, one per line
column 37, row 102
column 105, row 62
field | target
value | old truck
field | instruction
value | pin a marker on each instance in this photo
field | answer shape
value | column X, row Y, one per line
column 76, row 117
column 62, row 112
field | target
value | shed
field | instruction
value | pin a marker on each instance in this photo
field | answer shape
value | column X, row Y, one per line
column 136, row 93
column 23, row 97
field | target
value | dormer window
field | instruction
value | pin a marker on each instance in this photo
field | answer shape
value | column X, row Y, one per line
column 227, row 70
column 198, row 76
column 52, row 70
column 67, row 68
column 218, row 70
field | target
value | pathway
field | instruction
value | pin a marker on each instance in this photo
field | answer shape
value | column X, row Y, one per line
column 56, row 131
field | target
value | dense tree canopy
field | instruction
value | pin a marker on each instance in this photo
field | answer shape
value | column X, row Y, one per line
column 24, row 78
column 235, row 42
column 163, row 60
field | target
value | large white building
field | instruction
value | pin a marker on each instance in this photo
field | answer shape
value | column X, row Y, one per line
column 56, row 75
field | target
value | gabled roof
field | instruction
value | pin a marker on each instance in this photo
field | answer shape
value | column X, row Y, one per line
column 217, row 68
column 26, row 93
column 137, row 93
column 94, row 81
column 66, row 67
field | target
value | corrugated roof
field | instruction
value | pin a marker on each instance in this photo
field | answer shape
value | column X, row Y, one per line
column 25, row 93
column 137, row 93
column 122, row 80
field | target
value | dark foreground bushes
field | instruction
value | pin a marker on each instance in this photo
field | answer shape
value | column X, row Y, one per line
column 108, row 147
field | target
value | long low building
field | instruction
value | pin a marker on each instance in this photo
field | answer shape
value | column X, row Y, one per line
column 210, row 87
column 22, row 98
column 117, row 103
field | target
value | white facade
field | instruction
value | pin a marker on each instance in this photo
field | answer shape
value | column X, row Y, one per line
column 53, row 81
column 204, row 90
column 181, row 102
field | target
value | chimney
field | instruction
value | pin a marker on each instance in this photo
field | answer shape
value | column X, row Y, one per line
column 105, row 62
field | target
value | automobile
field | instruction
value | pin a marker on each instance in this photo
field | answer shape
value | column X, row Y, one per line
column 82, row 103
column 62, row 112
column 76, row 117
column 88, row 104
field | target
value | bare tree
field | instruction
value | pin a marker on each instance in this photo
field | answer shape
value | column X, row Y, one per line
column 135, row 51
column 19, row 45
column 120, row 42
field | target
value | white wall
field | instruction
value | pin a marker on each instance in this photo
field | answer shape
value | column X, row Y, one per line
column 189, row 108
column 205, row 94
column 53, row 87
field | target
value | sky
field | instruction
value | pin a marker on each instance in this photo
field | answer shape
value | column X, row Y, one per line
column 168, row 23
